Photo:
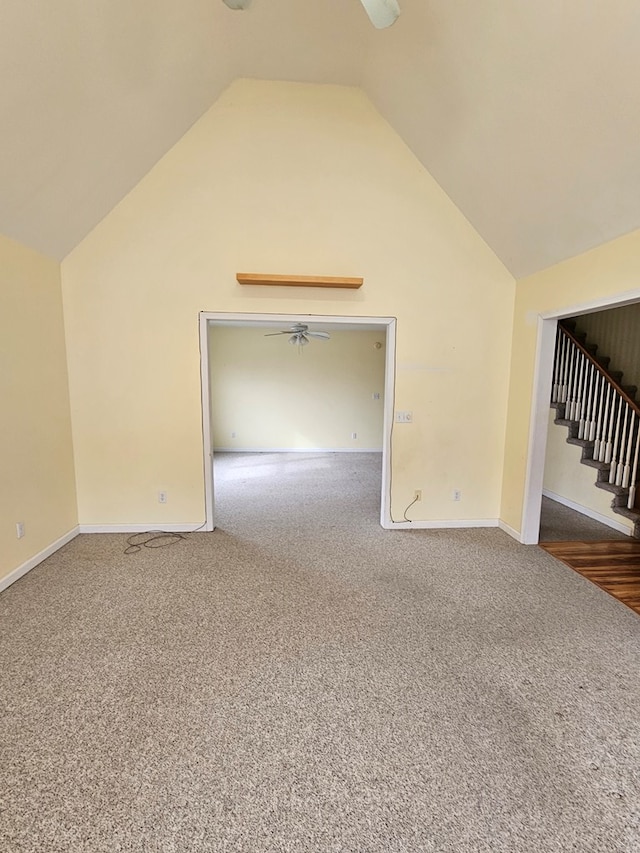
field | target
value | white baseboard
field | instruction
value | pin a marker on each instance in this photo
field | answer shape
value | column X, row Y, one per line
column 186, row 527
column 509, row 530
column 437, row 525
column 235, row 449
column 16, row 574
column 620, row 526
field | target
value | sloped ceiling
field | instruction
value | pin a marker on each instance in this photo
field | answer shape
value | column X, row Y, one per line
column 528, row 114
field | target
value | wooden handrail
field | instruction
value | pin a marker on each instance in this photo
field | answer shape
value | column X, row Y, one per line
column 600, row 369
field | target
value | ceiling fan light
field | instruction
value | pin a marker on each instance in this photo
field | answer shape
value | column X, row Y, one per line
column 382, row 13
column 298, row 340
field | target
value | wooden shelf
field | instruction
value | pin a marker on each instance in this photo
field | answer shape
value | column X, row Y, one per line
column 298, row 280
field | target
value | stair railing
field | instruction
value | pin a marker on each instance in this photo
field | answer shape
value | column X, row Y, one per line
column 604, row 412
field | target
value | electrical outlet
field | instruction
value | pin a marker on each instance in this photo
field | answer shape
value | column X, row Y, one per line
column 19, row 529
column 233, row 434
column 457, row 495
column 417, row 495
column 376, row 395
column 354, row 435
column 162, row 497
column 404, row 417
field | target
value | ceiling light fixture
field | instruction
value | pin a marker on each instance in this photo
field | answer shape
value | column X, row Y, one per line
column 298, row 340
column 299, row 334
column 382, row 13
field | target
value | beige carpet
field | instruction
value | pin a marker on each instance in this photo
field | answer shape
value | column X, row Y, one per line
column 301, row 680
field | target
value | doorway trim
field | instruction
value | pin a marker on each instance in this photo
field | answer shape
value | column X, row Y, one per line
column 542, row 380
column 386, row 324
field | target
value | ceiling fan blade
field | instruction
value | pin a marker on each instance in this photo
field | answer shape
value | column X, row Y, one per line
column 272, row 334
column 382, row 13
column 323, row 336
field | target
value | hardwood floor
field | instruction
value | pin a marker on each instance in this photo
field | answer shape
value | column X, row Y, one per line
column 613, row 565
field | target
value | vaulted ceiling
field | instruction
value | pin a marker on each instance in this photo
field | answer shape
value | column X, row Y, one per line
column 528, row 114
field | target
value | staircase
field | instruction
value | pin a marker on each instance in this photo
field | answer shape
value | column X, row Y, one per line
column 602, row 417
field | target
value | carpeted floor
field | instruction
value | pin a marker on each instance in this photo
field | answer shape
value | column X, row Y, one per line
column 558, row 523
column 301, row 680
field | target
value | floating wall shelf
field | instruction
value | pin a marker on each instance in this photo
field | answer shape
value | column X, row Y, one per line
column 298, row 280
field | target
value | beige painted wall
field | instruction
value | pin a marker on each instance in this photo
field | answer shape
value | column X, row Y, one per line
column 36, row 461
column 564, row 475
column 283, row 178
column 267, row 394
column 610, row 271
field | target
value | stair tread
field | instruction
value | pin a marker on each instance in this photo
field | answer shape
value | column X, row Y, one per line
column 595, row 463
column 611, row 487
column 581, row 442
column 628, row 513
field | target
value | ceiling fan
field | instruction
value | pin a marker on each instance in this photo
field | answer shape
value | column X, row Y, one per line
column 382, row 13
column 299, row 335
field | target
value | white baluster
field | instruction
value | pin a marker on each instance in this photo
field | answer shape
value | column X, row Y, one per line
column 626, row 471
column 595, row 399
column 608, row 448
column 614, row 446
column 634, row 473
column 620, row 469
column 579, row 394
column 557, row 366
column 571, row 366
column 565, row 368
column 573, row 399
column 583, row 429
column 601, row 441
column 597, row 422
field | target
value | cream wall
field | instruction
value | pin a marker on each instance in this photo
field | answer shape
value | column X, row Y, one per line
column 36, row 461
column 566, row 476
column 611, row 271
column 283, row 178
column 269, row 395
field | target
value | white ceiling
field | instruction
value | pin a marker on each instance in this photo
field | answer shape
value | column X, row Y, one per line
column 528, row 114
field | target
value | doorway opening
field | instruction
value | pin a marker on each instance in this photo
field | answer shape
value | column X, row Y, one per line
column 542, row 384
column 265, row 324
